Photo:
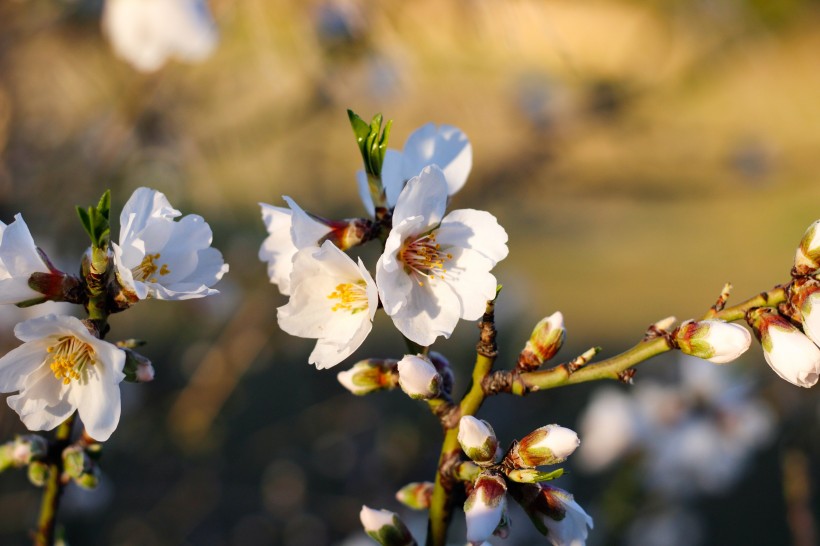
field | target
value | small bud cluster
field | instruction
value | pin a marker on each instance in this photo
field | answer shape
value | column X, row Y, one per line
column 515, row 472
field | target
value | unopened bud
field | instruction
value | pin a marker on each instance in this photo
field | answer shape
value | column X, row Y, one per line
column 88, row 480
column 418, row 377
column 138, row 368
column 38, row 473
column 485, row 507
column 554, row 512
column 76, row 461
column 385, row 527
column 478, row 440
column 416, row 495
column 788, row 352
column 6, row 456
column 369, row 375
column 807, row 258
column 550, row 444
column 27, row 448
column 713, row 340
column 545, row 341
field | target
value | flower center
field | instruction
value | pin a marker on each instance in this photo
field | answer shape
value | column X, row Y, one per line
column 423, row 257
column 148, row 267
column 68, row 357
column 352, row 297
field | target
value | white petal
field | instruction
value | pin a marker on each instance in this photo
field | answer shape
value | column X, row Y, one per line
column 49, row 325
column 393, row 178
column 793, row 357
column 42, row 403
column 278, row 248
column 430, row 311
column 98, row 401
column 304, row 230
column 141, row 210
column 475, row 229
column 18, row 363
column 18, row 253
column 424, row 195
column 447, row 147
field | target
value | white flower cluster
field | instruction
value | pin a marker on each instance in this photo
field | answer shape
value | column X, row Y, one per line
column 435, row 268
column 62, row 366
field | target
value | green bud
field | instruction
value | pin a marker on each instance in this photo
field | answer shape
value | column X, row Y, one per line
column 95, row 221
column 88, row 480
column 530, row 475
column 416, row 495
column 76, row 461
column 545, row 341
column 38, row 473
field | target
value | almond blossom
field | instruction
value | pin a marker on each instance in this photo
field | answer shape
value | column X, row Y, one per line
column 445, row 146
column 19, row 259
column 160, row 258
column 147, row 33
column 435, row 269
column 61, row 368
column 288, row 231
column 332, row 299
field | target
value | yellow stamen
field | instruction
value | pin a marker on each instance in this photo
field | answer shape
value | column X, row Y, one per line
column 423, row 257
column 148, row 267
column 352, row 297
column 69, row 357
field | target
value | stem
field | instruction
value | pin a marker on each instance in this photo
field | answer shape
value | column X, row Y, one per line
column 616, row 366
column 54, row 486
column 441, row 502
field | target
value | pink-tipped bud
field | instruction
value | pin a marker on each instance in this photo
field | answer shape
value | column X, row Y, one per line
column 28, row 448
column 478, row 440
column 713, row 340
column 385, row 527
column 416, row 495
column 792, row 355
column 485, row 507
column 550, row 444
column 418, row 377
column 370, row 375
column 545, row 341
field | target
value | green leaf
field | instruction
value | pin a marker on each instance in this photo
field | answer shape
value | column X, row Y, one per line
column 95, row 221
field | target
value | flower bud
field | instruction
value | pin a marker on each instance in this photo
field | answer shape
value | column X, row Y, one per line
column 554, row 513
column 138, row 368
column 478, row 440
column 713, row 340
column 550, row 444
column 385, row 527
column 485, row 507
column 807, row 258
column 810, row 314
column 88, row 480
column 76, row 461
column 369, row 375
column 545, row 341
column 38, row 473
column 416, row 495
column 418, row 377
column 790, row 354
column 28, row 448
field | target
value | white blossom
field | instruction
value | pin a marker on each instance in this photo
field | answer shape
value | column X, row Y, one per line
column 444, row 146
column 288, row 231
column 160, row 258
column 19, row 259
column 147, row 33
column 61, row 368
column 435, row 269
column 332, row 300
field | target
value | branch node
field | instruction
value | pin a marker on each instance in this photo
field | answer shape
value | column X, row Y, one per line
column 626, row 377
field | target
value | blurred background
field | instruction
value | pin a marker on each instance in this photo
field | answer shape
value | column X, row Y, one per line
column 639, row 154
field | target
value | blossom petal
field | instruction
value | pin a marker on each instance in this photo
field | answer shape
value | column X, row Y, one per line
column 364, row 192
column 98, row 402
column 278, row 248
column 393, row 178
column 17, row 364
column 475, row 229
column 446, row 146
column 42, row 403
column 304, row 230
column 424, row 195
column 18, row 253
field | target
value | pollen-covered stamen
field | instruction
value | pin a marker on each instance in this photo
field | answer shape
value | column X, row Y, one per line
column 423, row 257
column 146, row 269
column 69, row 357
column 352, row 297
